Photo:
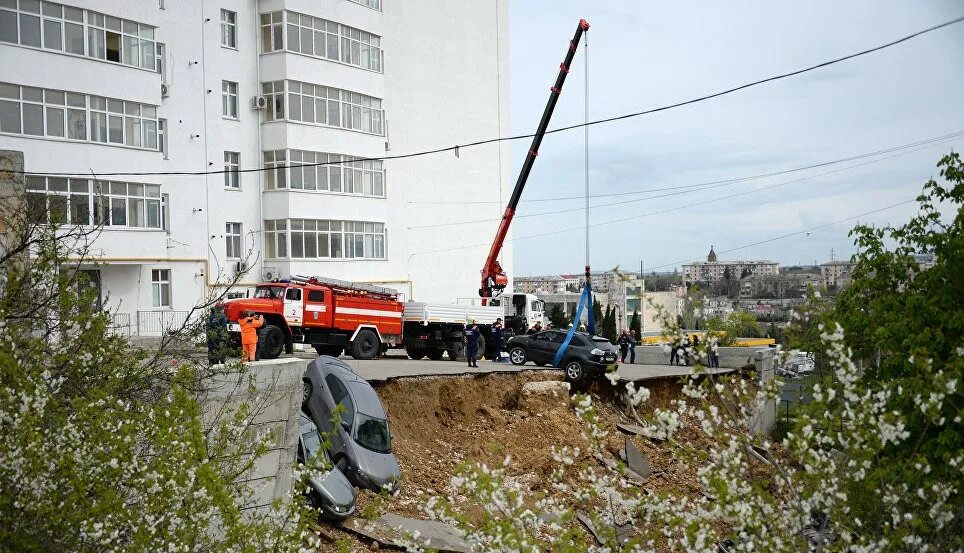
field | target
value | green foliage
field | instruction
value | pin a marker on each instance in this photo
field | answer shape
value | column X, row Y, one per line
column 597, row 311
column 636, row 324
column 608, row 326
column 558, row 317
column 738, row 324
column 102, row 449
column 907, row 324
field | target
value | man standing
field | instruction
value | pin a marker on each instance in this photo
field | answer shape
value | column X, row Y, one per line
column 498, row 339
column 472, row 343
column 623, row 345
column 250, row 323
column 632, row 346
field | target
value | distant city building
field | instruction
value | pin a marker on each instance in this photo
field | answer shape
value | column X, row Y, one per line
column 713, row 270
column 836, row 273
column 553, row 284
column 780, row 286
column 623, row 291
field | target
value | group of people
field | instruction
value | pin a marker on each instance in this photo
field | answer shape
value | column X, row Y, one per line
column 627, row 345
column 680, row 353
column 217, row 335
column 473, row 333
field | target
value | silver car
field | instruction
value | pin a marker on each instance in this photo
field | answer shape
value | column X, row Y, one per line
column 329, row 491
column 361, row 443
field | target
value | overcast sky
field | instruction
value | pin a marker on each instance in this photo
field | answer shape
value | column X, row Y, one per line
column 647, row 54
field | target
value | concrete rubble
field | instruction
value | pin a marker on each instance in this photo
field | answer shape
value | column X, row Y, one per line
column 396, row 531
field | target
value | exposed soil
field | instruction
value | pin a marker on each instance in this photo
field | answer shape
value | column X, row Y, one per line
column 440, row 422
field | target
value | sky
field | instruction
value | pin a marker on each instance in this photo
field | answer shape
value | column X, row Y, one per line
column 646, row 54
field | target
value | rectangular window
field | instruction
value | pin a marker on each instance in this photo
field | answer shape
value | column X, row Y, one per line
column 321, row 105
column 162, row 137
column 313, row 36
column 327, row 172
column 161, row 287
column 324, row 239
column 232, row 240
column 229, row 29
column 373, row 4
column 229, row 99
column 232, row 162
column 272, row 32
column 85, row 202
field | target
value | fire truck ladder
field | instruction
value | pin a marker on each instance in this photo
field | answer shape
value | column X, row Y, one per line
column 346, row 286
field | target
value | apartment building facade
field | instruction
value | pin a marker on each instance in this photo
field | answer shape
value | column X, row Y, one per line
column 212, row 137
column 714, row 270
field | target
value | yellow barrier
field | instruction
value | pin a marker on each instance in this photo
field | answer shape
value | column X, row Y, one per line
column 743, row 342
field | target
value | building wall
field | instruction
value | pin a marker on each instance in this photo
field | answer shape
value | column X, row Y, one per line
column 671, row 302
column 712, row 271
column 445, row 81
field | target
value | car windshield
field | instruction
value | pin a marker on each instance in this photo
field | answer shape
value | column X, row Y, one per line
column 372, row 433
column 270, row 292
column 312, row 443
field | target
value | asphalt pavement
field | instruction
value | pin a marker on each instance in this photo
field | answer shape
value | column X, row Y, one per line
column 397, row 365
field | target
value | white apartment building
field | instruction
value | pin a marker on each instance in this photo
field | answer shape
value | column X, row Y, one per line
column 119, row 93
column 713, row 270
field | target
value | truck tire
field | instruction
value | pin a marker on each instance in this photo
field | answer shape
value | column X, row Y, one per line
column 481, row 347
column 333, row 351
column 456, row 352
column 274, row 342
column 415, row 353
column 365, row 345
column 435, row 354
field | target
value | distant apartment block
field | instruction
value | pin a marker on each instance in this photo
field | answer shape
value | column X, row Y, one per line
column 713, row 270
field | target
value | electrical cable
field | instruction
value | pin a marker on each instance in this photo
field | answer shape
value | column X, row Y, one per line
column 523, row 136
column 941, row 138
column 625, row 202
column 773, row 239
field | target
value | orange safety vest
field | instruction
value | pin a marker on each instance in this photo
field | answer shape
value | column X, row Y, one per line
column 249, row 329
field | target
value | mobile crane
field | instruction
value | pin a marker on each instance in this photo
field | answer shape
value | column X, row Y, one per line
column 494, row 279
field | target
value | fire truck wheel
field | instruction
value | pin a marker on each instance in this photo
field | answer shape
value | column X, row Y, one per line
column 435, row 354
column 274, row 342
column 365, row 345
column 415, row 353
column 457, row 352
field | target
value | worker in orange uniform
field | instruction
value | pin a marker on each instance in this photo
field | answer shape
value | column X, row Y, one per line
column 250, row 323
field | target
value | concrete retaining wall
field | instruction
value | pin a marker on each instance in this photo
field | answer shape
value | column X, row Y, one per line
column 272, row 389
column 730, row 358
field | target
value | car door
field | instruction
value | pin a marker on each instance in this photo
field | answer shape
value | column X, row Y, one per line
column 541, row 348
column 294, row 307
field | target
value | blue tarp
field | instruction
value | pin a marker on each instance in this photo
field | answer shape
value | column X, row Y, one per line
column 584, row 299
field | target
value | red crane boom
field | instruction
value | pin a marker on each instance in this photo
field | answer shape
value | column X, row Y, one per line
column 494, row 279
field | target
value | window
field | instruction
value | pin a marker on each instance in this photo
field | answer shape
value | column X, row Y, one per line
column 85, row 202
column 313, row 36
column 229, row 99
column 232, row 240
column 293, row 294
column 339, row 393
column 67, row 115
column 314, row 239
column 373, row 4
column 327, row 172
column 322, row 105
column 316, row 295
column 161, row 287
column 232, row 162
column 162, row 137
column 229, row 29
column 77, row 31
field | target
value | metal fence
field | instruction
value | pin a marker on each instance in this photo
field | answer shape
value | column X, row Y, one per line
column 158, row 323
column 120, row 324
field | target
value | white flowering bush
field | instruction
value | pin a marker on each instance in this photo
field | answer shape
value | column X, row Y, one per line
column 102, row 449
column 873, row 463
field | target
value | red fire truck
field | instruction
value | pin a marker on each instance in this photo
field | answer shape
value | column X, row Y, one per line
column 331, row 315
column 334, row 316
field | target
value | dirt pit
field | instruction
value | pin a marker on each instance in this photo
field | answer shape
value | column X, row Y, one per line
column 439, row 423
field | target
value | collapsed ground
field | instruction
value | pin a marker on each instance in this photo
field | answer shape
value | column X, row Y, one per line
column 440, row 422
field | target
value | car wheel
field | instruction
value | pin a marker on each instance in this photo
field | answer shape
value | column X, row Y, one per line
column 575, row 373
column 517, row 355
column 305, row 391
column 415, row 353
column 274, row 342
column 365, row 345
column 333, row 351
column 435, row 354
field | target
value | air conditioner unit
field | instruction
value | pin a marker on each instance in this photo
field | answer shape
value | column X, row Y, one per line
column 269, row 274
column 259, row 102
column 165, row 90
column 240, row 267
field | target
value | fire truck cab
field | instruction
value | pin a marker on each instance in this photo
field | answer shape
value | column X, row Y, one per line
column 331, row 315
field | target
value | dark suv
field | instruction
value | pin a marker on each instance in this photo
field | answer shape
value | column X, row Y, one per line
column 586, row 355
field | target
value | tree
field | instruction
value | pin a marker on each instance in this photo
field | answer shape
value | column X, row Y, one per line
column 727, row 275
column 557, row 316
column 597, row 311
column 103, row 446
column 636, row 324
column 608, row 326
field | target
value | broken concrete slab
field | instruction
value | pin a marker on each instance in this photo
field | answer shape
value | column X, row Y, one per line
column 397, row 531
column 637, row 461
column 623, row 531
column 541, row 396
column 611, row 463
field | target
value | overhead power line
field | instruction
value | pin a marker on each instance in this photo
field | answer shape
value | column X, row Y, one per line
column 935, row 139
column 524, row 136
column 768, row 240
column 681, row 192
